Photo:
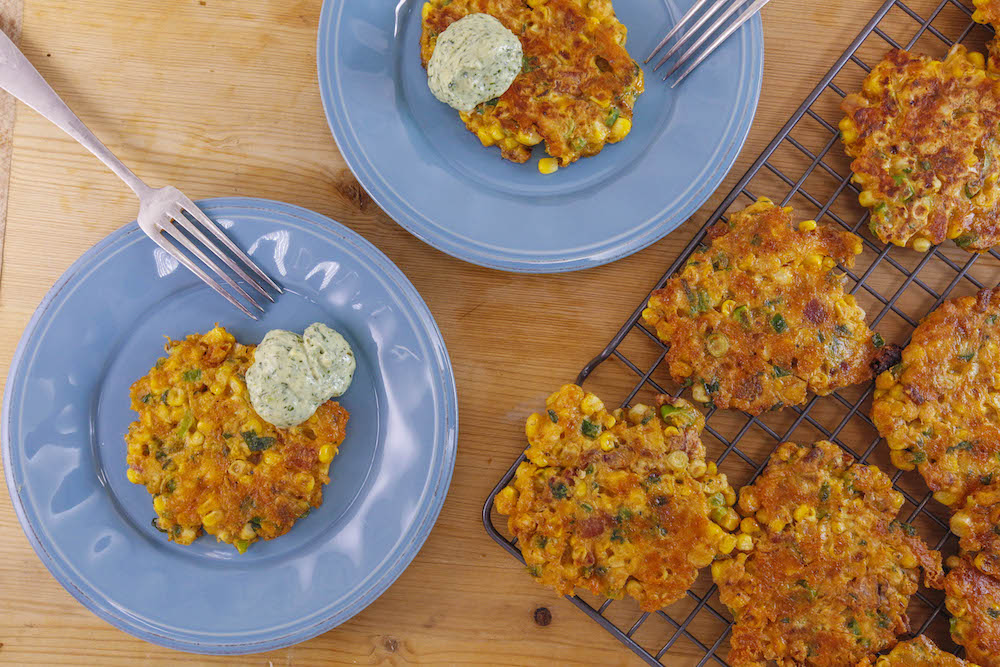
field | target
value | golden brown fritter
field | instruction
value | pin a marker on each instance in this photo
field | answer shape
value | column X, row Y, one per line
column 578, row 85
column 937, row 409
column 760, row 317
column 210, row 461
column 973, row 599
column 618, row 503
column 824, row 570
column 923, row 136
column 988, row 11
column 978, row 526
column 918, row 652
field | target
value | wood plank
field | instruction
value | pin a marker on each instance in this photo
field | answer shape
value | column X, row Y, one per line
column 219, row 97
column 10, row 23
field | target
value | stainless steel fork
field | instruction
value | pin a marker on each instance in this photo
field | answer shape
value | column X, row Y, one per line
column 161, row 210
column 695, row 50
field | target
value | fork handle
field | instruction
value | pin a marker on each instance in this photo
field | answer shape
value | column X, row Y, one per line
column 20, row 78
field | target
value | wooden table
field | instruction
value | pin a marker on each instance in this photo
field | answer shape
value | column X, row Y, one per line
column 219, row 97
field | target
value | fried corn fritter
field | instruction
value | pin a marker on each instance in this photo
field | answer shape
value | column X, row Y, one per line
column 760, row 317
column 210, row 462
column 917, row 652
column 618, row 502
column 977, row 525
column 824, row 571
column 988, row 11
column 578, row 85
column 923, row 137
column 973, row 600
column 937, row 409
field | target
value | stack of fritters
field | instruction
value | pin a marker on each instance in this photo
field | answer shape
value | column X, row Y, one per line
column 760, row 317
column 210, row 461
column 831, row 570
column 923, row 135
column 578, row 84
column 939, row 411
column 618, row 502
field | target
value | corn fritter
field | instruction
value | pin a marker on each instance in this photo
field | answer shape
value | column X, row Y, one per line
column 618, row 502
column 576, row 90
column 209, row 461
column 988, row 11
column 977, row 525
column 759, row 318
column 973, row 600
column 923, row 137
column 917, row 652
column 937, row 409
column 829, row 572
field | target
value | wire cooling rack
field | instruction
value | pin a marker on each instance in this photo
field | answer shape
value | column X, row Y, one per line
column 805, row 167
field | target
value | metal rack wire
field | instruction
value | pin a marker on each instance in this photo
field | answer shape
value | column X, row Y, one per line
column 803, row 166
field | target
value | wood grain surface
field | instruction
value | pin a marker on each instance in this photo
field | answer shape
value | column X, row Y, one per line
column 219, row 97
column 10, row 23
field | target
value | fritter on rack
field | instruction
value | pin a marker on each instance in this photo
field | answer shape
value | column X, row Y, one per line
column 618, row 503
column 988, row 11
column 210, row 461
column 937, row 409
column 923, row 136
column 760, row 317
column 824, row 571
column 917, row 652
column 978, row 527
column 578, row 85
column 973, row 600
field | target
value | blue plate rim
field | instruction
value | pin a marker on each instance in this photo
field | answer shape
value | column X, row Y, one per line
column 398, row 213
column 294, row 636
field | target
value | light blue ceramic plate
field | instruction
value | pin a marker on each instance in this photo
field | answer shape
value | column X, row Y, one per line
column 66, row 409
column 417, row 160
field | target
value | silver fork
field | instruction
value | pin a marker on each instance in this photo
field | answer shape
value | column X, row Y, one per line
column 695, row 50
column 161, row 210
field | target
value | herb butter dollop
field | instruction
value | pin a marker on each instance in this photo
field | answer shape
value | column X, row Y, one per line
column 475, row 60
column 292, row 375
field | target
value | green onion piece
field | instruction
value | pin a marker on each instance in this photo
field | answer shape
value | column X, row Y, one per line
column 717, row 344
column 186, row 421
column 612, row 116
column 778, row 323
column 590, row 429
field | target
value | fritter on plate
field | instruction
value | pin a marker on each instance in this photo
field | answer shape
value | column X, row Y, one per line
column 209, row 460
column 923, row 136
column 978, row 527
column 825, row 570
column 973, row 600
column 618, row 502
column 917, row 652
column 937, row 409
column 760, row 317
column 578, row 85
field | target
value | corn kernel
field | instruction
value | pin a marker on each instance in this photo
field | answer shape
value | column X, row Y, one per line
column 271, row 458
column 807, row 225
column 921, row 244
column 727, row 544
column 607, row 442
column 159, row 504
column 744, row 542
column 867, row 198
column 548, row 165
column 749, row 525
column 776, row 525
column 533, row 426
column 727, row 307
column 212, row 518
column 977, row 59
column 620, row 129
column 425, row 10
column 133, row 476
column 326, row 453
column 591, row 404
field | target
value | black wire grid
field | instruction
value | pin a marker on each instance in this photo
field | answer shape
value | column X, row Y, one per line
column 806, row 164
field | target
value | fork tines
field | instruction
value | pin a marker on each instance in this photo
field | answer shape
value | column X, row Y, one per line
column 175, row 228
column 695, row 20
